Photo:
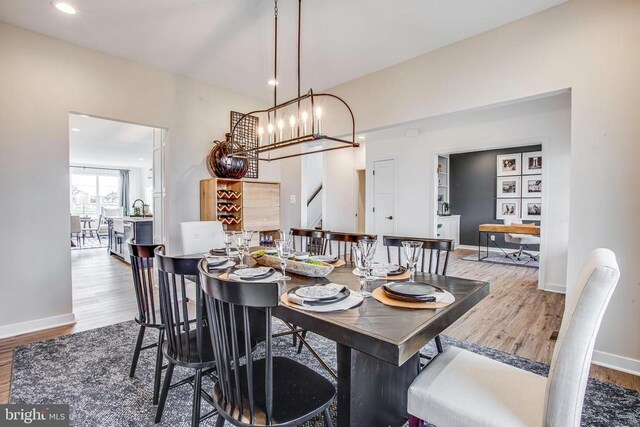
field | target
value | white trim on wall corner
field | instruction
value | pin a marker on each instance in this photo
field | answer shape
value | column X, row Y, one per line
column 14, row 329
column 613, row 361
column 552, row 287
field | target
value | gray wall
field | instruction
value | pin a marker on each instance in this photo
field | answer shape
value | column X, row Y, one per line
column 472, row 192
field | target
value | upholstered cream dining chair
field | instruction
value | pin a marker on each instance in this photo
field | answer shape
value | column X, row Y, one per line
column 460, row 388
column 201, row 236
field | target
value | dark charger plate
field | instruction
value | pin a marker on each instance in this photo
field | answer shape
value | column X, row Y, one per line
column 342, row 295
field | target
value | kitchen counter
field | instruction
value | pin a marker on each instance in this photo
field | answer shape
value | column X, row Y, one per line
column 137, row 218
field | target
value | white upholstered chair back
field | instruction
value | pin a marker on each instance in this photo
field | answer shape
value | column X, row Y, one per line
column 112, row 212
column 201, row 236
column 508, row 237
column 76, row 226
column 584, row 308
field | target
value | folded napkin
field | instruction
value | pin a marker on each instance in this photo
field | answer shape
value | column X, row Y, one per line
column 296, row 299
column 353, row 300
column 443, row 296
column 269, row 279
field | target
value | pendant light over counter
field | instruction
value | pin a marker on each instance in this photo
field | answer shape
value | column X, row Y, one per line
column 291, row 123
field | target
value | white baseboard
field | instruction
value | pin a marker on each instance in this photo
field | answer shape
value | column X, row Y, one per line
column 14, row 329
column 613, row 361
column 552, row 287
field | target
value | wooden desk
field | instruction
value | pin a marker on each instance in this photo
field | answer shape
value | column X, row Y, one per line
column 513, row 228
column 530, row 229
column 378, row 345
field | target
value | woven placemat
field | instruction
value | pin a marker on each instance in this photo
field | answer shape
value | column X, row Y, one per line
column 379, row 294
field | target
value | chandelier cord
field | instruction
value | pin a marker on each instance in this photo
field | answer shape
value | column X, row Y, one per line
column 275, row 54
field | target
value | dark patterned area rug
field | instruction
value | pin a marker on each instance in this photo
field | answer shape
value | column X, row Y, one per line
column 90, row 372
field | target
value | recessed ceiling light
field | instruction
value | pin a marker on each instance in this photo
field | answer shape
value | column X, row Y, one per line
column 75, row 129
column 140, row 158
column 361, row 137
column 64, row 7
column 273, row 82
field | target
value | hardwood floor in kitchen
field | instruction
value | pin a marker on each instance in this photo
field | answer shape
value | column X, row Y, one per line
column 516, row 317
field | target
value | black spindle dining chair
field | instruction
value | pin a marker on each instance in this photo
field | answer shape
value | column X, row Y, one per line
column 187, row 339
column 434, row 260
column 343, row 242
column 310, row 240
column 260, row 392
column 148, row 307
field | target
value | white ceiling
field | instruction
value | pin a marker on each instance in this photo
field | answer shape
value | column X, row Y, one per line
column 229, row 42
column 100, row 142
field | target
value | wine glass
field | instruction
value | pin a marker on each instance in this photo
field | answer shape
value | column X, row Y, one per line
column 368, row 249
column 361, row 270
column 412, row 251
column 284, row 251
column 228, row 240
column 239, row 238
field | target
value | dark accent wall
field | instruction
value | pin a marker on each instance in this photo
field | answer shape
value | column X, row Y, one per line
column 472, row 191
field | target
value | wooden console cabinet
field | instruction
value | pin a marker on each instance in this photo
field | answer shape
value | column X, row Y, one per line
column 248, row 205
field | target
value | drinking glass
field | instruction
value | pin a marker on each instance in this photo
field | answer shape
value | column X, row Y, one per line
column 284, row 251
column 242, row 248
column 368, row 249
column 412, row 252
column 361, row 269
column 228, row 240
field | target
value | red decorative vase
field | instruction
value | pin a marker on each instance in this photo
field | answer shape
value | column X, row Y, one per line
column 224, row 166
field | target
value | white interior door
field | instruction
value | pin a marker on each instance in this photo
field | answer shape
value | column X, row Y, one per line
column 384, row 188
column 158, row 184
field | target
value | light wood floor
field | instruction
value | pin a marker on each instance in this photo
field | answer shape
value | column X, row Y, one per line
column 516, row 317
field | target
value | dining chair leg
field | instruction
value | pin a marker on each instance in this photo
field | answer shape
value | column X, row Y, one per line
column 327, row 418
column 415, row 422
column 295, row 337
column 304, row 336
column 164, row 392
column 438, row 344
column 158, row 373
column 136, row 352
column 197, row 395
column 98, row 235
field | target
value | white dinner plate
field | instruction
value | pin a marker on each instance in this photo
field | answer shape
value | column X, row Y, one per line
column 318, row 292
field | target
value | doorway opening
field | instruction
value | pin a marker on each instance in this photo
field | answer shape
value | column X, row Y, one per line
column 116, row 193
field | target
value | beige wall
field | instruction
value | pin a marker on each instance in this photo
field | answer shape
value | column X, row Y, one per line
column 43, row 79
column 590, row 46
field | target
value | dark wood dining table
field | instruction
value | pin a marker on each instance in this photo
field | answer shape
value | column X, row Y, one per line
column 378, row 345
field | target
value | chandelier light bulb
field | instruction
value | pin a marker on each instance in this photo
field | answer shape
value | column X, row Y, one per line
column 270, row 131
column 304, row 116
column 280, row 127
column 260, row 133
column 292, row 123
column 319, row 116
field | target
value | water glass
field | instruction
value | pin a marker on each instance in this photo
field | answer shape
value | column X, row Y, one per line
column 368, row 249
column 228, row 240
column 242, row 248
column 412, row 251
column 285, row 250
column 361, row 269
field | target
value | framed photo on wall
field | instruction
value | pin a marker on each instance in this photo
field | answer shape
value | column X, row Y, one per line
column 532, row 186
column 508, row 187
column 507, row 208
column 532, row 163
column 509, row 164
column 532, row 209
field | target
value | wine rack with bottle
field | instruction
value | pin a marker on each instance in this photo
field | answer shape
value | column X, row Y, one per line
column 238, row 205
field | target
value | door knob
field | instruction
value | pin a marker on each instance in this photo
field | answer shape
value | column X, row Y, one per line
column 388, row 217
